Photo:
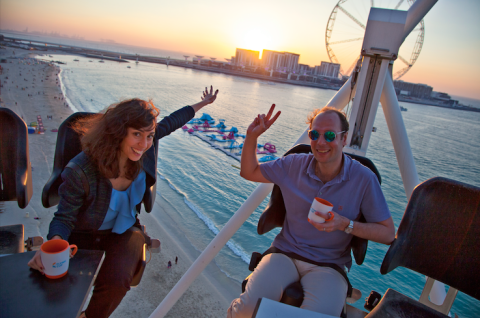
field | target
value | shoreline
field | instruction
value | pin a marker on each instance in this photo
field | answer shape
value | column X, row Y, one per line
column 125, row 57
column 209, row 295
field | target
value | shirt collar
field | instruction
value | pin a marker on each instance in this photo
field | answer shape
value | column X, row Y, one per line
column 344, row 174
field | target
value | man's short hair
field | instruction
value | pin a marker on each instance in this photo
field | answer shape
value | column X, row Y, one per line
column 341, row 115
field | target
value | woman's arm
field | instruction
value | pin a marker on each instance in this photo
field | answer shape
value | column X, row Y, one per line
column 72, row 198
column 207, row 98
column 180, row 117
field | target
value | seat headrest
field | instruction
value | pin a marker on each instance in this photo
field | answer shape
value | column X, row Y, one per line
column 67, row 147
column 15, row 168
column 439, row 235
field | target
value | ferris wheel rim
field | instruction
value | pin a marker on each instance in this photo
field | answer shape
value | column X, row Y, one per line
column 333, row 59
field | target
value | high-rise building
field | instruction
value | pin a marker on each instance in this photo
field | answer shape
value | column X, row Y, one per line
column 327, row 69
column 246, row 57
column 304, row 69
column 280, row 61
column 414, row 90
column 291, row 62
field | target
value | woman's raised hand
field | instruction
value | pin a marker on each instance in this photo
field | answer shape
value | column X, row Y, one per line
column 262, row 122
column 209, row 97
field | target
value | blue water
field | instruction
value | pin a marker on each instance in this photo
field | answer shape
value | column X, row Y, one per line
column 205, row 189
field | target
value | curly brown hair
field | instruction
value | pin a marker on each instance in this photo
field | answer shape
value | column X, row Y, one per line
column 341, row 115
column 102, row 134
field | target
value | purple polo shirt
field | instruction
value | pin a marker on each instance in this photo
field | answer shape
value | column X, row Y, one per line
column 355, row 187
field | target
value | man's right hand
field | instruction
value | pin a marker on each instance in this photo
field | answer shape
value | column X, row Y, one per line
column 250, row 168
column 262, row 122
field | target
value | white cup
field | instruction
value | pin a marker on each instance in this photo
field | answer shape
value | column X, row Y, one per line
column 320, row 205
column 55, row 256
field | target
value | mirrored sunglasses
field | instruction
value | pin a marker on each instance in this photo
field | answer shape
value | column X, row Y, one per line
column 328, row 135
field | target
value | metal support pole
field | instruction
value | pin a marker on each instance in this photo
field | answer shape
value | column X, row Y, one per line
column 341, row 98
column 416, row 13
column 399, row 136
column 213, row 248
column 408, row 170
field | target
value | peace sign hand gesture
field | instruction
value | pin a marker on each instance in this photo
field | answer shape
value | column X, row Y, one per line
column 262, row 122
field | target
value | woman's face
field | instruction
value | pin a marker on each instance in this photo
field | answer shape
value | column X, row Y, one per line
column 136, row 143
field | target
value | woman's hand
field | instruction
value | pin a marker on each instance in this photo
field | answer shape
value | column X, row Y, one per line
column 36, row 261
column 339, row 222
column 262, row 122
column 209, row 98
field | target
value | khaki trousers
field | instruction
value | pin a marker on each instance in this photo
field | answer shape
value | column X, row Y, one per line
column 324, row 288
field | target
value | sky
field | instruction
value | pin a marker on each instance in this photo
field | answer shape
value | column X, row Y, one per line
column 448, row 60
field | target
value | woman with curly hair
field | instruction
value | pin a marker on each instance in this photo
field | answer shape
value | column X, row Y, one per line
column 119, row 161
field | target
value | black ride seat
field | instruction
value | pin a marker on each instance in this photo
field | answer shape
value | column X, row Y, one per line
column 15, row 175
column 67, row 147
column 274, row 216
column 438, row 237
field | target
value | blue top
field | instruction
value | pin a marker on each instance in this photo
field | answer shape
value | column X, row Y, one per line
column 355, row 188
column 121, row 211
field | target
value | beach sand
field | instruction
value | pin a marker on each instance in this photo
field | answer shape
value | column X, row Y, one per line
column 210, row 294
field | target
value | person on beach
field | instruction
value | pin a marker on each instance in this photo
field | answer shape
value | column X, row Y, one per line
column 119, row 163
column 316, row 254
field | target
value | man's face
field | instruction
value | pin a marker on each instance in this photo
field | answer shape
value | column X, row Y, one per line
column 328, row 152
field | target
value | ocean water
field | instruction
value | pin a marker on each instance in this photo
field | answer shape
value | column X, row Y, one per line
column 205, row 189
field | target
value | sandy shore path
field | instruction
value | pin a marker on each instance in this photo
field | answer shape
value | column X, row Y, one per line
column 33, row 89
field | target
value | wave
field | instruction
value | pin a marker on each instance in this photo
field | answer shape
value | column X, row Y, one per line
column 235, row 248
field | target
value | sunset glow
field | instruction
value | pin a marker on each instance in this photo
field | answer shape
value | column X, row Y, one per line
column 216, row 29
column 256, row 38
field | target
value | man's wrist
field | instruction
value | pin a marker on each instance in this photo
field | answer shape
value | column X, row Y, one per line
column 349, row 228
column 345, row 223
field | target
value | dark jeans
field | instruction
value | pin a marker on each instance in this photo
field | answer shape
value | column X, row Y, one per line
column 122, row 255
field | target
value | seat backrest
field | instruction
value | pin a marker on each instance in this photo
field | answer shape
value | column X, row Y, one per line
column 67, row 147
column 439, row 235
column 15, row 168
column 274, row 214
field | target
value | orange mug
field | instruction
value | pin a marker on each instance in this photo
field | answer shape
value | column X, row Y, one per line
column 55, row 256
column 320, row 205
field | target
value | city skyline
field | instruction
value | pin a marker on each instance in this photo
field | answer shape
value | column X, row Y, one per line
column 212, row 28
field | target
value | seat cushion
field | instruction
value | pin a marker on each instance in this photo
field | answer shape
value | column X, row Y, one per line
column 393, row 304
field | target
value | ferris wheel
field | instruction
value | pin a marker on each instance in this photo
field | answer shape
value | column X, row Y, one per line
column 346, row 28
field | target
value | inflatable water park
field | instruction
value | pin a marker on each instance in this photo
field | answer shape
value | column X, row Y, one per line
column 227, row 140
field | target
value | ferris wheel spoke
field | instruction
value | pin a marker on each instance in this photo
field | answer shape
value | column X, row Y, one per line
column 345, row 41
column 398, row 4
column 351, row 17
column 404, row 61
column 400, row 73
column 350, row 69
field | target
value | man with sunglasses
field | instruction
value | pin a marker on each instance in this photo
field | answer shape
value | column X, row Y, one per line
column 316, row 254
